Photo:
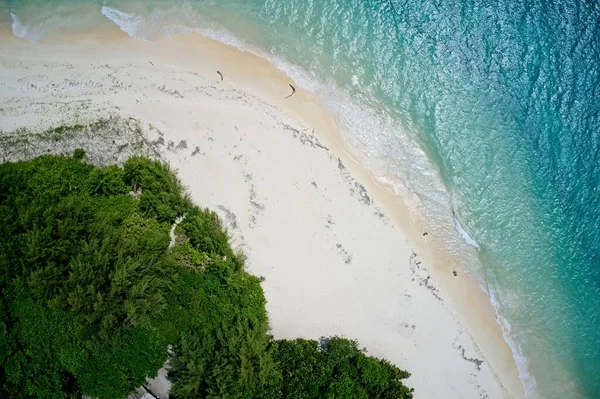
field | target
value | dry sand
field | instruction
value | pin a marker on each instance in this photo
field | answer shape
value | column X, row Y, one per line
column 332, row 244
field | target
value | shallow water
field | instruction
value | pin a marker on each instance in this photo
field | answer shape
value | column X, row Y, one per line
column 487, row 114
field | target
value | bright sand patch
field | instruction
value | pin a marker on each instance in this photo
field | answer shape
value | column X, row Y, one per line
column 329, row 240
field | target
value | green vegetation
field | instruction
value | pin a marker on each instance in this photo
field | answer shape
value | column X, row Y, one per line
column 336, row 368
column 93, row 295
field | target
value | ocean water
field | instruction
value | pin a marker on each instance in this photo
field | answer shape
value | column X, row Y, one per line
column 484, row 115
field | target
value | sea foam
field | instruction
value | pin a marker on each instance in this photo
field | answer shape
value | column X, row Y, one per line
column 128, row 23
column 38, row 22
column 527, row 379
column 22, row 31
column 465, row 236
column 35, row 32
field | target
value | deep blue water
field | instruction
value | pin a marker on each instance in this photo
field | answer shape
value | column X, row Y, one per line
column 489, row 109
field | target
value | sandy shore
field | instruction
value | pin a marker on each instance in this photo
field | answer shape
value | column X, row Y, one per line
column 339, row 253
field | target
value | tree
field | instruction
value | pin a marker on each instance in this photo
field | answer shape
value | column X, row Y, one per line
column 84, row 274
column 336, row 368
column 92, row 296
column 227, row 350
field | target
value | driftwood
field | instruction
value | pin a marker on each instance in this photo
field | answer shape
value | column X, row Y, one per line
column 293, row 91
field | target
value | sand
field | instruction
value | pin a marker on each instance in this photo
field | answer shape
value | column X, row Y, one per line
column 339, row 253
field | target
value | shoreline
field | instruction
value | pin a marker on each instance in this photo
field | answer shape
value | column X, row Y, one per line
column 259, row 78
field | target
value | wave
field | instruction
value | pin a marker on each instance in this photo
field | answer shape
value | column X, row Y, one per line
column 527, row 379
column 18, row 29
column 128, row 23
column 38, row 22
column 34, row 32
column 465, row 236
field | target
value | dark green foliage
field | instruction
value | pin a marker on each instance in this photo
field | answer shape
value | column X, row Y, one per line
column 42, row 348
column 336, row 368
column 92, row 296
column 78, row 154
column 227, row 351
column 161, row 193
column 4, row 340
column 107, row 181
column 206, row 234
column 84, row 273
column 140, row 352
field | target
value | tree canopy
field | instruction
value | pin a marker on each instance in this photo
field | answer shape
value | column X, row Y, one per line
column 93, row 296
column 336, row 368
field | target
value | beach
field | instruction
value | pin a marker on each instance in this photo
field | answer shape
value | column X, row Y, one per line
column 339, row 252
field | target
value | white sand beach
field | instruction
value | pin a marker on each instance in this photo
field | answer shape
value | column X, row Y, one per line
column 338, row 251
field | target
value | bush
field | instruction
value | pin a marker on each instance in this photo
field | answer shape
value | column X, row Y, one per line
column 161, row 192
column 92, row 296
column 205, row 232
column 89, row 275
column 78, row 154
column 107, row 181
column 336, row 368
column 227, row 350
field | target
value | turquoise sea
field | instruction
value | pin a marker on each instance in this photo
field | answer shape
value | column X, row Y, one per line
column 488, row 111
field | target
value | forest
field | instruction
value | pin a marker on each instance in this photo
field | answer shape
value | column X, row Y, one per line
column 97, row 296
